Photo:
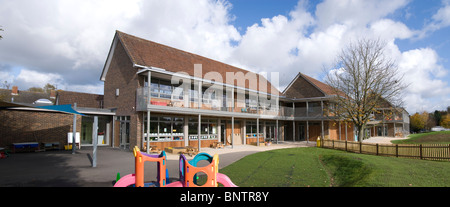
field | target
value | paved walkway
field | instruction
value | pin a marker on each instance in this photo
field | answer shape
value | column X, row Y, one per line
column 381, row 140
column 64, row 169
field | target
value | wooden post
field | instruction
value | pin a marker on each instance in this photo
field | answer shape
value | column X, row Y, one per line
column 377, row 148
column 346, row 145
column 396, row 150
column 420, row 147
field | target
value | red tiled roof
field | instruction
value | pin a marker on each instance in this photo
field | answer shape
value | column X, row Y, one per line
column 151, row 54
column 82, row 99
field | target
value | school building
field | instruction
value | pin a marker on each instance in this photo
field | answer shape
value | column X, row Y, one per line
column 156, row 95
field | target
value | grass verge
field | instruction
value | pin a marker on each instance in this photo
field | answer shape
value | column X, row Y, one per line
column 442, row 137
column 317, row 167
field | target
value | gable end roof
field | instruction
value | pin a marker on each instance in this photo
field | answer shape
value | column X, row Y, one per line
column 145, row 53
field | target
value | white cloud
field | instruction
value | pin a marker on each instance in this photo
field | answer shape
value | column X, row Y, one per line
column 442, row 17
column 72, row 38
column 424, row 74
column 388, row 29
column 29, row 78
column 6, row 76
column 95, row 89
column 66, row 42
column 201, row 27
column 354, row 13
column 439, row 20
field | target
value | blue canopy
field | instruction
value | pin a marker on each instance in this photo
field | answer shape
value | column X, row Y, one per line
column 61, row 108
column 57, row 108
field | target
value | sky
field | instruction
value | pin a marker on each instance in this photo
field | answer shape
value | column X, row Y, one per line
column 66, row 43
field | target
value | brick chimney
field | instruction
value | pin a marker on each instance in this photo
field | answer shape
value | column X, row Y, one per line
column 15, row 91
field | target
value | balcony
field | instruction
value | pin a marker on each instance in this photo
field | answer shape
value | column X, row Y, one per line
column 166, row 102
column 388, row 116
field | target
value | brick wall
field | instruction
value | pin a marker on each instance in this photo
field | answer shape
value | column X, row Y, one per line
column 34, row 126
column 302, row 89
column 122, row 75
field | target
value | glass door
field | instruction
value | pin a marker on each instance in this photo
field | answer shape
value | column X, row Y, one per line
column 124, row 132
column 86, row 131
column 223, row 133
column 302, row 133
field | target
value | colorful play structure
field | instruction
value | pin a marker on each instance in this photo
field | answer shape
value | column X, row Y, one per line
column 188, row 172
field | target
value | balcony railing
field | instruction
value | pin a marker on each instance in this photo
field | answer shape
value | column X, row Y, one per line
column 143, row 103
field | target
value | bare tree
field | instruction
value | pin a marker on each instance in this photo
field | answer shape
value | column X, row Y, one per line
column 365, row 78
column 6, row 85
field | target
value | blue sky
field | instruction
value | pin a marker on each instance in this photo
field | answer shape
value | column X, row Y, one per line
column 65, row 43
column 249, row 12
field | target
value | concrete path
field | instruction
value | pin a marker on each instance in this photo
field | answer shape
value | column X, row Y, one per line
column 381, row 140
column 64, row 169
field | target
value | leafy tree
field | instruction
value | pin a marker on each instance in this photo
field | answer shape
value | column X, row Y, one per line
column 46, row 89
column 6, row 85
column 437, row 115
column 36, row 90
column 445, row 122
column 49, row 87
column 417, row 122
column 430, row 122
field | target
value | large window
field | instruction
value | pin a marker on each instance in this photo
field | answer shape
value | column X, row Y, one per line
column 162, row 88
column 251, row 129
column 164, row 128
column 208, row 129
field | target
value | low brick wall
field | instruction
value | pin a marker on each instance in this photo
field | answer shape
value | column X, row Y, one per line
column 35, row 126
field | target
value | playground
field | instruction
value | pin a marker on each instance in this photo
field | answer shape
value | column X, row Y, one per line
column 64, row 169
column 189, row 172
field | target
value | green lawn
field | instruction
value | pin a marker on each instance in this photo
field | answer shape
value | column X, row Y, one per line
column 427, row 138
column 317, row 167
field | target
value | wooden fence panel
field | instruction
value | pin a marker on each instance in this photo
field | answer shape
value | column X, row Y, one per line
column 409, row 150
column 435, row 151
column 369, row 149
column 387, row 150
column 353, row 147
column 428, row 151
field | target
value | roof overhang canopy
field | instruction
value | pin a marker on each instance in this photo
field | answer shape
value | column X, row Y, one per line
column 53, row 108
